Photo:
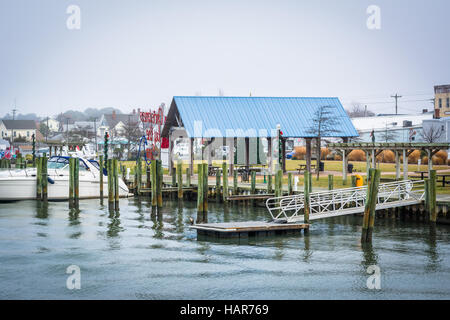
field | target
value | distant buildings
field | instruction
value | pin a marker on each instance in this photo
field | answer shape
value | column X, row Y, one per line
column 18, row 129
column 442, row 101
column 392, row 128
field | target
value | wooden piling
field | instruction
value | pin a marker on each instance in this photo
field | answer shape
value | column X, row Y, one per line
column 330, row 182
column 235, row 182
column 160, row 174
column 310, row 182
column 205, row 192
column 371, row 202
column 200, row 193
column 432, row 196
column 188, row 177
column 101, row 177
column 307, row 179
column 116, row 184
column 111, row 184
column 174, row 177
column 253, row 186
column 148, row 176
column 44, row 178
column 225, row 182
column 39, row 178
column 218, row 195
column 269, row 183
column 180, row 179
column 154, row 184
column 290, row 189
column 76, row 183
column 71, row 182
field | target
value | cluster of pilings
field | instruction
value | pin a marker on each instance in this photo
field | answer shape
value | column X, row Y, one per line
column 5, row 164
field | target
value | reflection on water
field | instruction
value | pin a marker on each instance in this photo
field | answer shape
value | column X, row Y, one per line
column 139, row 253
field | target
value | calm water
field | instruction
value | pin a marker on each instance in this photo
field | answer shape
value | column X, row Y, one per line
column 133, row 255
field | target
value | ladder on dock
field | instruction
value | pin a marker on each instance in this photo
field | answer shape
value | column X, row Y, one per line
column 341, row 202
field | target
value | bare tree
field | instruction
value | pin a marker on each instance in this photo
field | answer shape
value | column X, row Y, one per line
column 358, row 110
column 432, row 134
column 131, row 132
column 324, row 123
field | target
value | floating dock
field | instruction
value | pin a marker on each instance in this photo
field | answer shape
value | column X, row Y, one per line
column 247, row 229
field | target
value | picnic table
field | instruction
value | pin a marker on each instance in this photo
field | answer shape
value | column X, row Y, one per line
column 424, row 174
column 245, row 172
column 302, row 167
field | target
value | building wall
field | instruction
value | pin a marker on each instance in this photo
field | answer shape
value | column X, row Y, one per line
column 442, row 100
column 27, row 133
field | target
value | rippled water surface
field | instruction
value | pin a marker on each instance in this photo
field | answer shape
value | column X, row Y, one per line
column 134, row 255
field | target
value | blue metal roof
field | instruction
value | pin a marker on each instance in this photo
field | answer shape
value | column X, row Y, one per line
column 255, row 116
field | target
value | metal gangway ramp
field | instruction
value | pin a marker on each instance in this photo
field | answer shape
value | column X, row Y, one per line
column 341, row 202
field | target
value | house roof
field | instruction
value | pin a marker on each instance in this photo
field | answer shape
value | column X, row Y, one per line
column 19, row 124
column 114, row 119
column 253, row 116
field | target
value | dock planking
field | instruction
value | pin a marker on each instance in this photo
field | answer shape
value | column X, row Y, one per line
column 244, row 229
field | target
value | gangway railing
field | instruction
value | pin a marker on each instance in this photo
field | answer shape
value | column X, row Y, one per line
column 345, row 201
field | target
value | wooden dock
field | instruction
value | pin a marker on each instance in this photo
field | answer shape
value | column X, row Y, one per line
column 247, row 229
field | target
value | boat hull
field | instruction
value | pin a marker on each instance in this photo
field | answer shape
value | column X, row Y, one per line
column 24, row 188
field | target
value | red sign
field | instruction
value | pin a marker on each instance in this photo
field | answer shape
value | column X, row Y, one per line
column 156, row 120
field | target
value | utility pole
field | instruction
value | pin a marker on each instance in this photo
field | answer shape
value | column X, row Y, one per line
column 396, row 100
column 365, row 111
column 14, row 110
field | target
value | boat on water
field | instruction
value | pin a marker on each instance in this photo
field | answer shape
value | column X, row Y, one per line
column 20, row 184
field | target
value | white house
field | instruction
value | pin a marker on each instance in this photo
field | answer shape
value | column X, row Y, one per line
column 17, row 128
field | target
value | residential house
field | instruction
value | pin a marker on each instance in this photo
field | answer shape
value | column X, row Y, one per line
column 18, row 129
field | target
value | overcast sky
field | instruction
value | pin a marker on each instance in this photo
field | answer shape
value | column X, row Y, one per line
column 139, row 53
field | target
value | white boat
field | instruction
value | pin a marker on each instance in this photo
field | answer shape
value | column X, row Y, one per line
column 20, row 184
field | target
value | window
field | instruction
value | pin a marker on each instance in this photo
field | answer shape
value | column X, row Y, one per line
column 28, row 133
column 14, row 134
column 448, row 102
column 440, row 103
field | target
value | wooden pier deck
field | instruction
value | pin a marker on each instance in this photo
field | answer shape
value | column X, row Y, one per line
column 247, row 229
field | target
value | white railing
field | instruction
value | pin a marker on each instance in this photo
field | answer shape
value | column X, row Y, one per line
column 344, row 201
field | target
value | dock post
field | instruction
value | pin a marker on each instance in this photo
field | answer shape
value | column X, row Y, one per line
column 225, row 182
column 44, row 178
column 71, row 190
column 188, row 177
column 353, row 181
column 154, row 185
column 116, row 184
column 235, row 182
column 253, row 186
column 200, row 194
column 174, row 177
column 160, row 173
column 269, row 183
column 139, row 177
column 101, row 177
column 310, row 182
column 205, row 192
column 180, row 179
column 39, row 178
column 76, row 182
column 432, row 196
column 148, row 176
column 111, row 184
column 218, row 195
column 427, row 196
column 371, row 202
column 290, row 184
column 306, row 196
column 330, row 182
column 279, row 183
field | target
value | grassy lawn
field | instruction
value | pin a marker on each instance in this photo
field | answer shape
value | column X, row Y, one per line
column 336, row 166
